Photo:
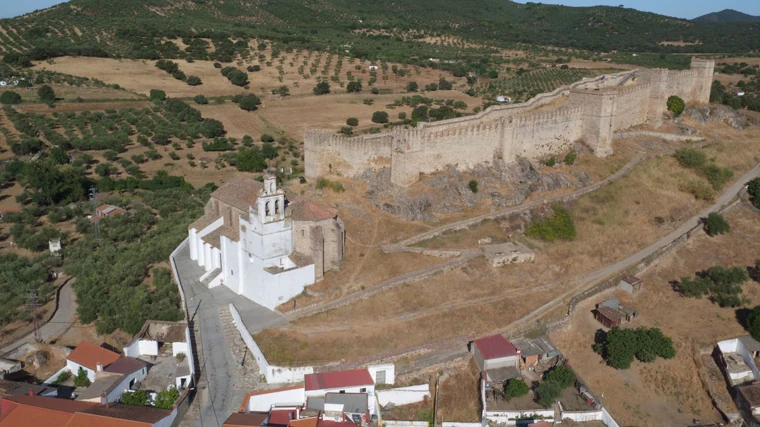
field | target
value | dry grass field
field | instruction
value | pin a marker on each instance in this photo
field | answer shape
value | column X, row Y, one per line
column 443, row 306
column 668, row 392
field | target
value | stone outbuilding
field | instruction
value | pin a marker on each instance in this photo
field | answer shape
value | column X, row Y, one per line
column 319, row 233
column 497, row 358
column 631, row 284
column 611, row 313
column 508, row 253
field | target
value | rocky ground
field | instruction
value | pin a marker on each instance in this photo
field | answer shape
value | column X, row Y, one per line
column 719, row 113
column 448, row 192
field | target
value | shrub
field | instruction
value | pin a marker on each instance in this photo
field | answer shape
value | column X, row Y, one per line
column 249, row 102
column 551, row 161
column 753, row 323
column 691, row 158
column 135, row 398
column 717, row 176
column 326, row 183
column 622, row 346
column 355, row 86
column 217, row 65
column 379, row 117
column 157, row 95
column 166, row 398
column 179, row 75
column 562, row 375
column 444, row 84
column 347, row 130
column 570, row 158
column 368, row 101
column 558, row 227
column 473, row 185
column 352, row 121
column 253, row 68
column 402, row 115
column 194, row 80
column 699, row 190
column 46, row 94
column 723, row 285
column 81, row 380
column 716, row 224
column 547, row 392
column 676, row 105
column 251, row 160
column 753, row 189
column 412, row 87
column 322, row 88
column 10, row 97
column 200, row 100
column 265, row 137
column 62, row 377
column 375, row 91
column 516, row 388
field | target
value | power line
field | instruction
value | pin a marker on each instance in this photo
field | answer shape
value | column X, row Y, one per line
column 32, row 302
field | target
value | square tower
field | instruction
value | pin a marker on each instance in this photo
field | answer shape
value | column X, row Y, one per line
column 271, row 234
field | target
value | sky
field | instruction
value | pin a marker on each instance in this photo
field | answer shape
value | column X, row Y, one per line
column 680, row 8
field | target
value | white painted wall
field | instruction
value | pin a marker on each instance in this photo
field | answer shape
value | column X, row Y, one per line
column 456, row 424
column 608, row 420
column 180, row 347
column 735, row 346
column 390, row 372
column 508, row 417
column 404, row 395
column 580, row 416
column 394, row 423
column 264, row 402
column 273, row 374
column 55, row 376
column 74, row 368
column 123, row 385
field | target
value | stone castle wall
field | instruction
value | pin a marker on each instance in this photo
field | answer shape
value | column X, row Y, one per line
column 597, row 109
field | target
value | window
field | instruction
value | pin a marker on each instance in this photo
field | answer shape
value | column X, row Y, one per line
column 343, row 391
column 277, row 207
column 362, row 390
column 266, row 209
column 232, row 272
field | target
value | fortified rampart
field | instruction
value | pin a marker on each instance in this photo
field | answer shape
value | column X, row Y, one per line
column 597, row 109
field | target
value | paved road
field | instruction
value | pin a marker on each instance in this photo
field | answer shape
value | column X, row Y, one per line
column 224, row 390
column 58, row 325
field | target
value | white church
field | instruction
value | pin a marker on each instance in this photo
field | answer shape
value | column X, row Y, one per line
column 262, row 246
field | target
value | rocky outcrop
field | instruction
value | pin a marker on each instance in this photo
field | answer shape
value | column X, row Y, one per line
column 718, row 113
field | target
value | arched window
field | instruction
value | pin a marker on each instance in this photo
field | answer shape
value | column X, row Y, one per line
column 277, row 207
column 266, row 209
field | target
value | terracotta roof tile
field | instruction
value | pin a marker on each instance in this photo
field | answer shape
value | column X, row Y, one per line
column 135, row 414
column 51, row 403
column 81, row 419
column 89, row 355
column 241, row 192
column 495, row 347
column 308, row 210
column 244, row 405
column 23, row 415
column 281, row 417
column 253, row 419
column 328, row 380
column 125, row 365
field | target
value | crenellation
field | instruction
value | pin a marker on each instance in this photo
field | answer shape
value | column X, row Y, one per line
column 597, row 109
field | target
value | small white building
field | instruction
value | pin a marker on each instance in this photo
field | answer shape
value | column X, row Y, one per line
column 55, row 246
column 353, row 381
column 110, row 374
column 373, row 67
column 245, row 241
column 91, row 358
column 497, row 358
column 503, row 99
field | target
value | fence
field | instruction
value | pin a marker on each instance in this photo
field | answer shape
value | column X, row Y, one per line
column 509, row 417
column 394, row 423
column 580, row 416
column 273, row 374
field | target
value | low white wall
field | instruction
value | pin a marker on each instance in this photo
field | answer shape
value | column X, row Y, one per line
column 582, row 416
column 608, row 420
column 456, row 424
column 179, row 347
column 264, row 402
column 55, row 375
column 735, row 346
column 390, row 372
column 404, row 395
column 273, row 374
column 393, row 423
column 508, row 417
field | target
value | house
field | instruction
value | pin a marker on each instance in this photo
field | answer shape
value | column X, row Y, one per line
column 508, row 253
column 265, row 400
column 251, row 241
column 55, row 246
column 353, row 381
column 534, row 350
column 91, row 358
column 238, row 419
column 20, row 411
column 631, row 284
column 497, row 358
column 110, row 374
column 104, row 211
column 503, row 99
column 611, row 313
column 354, row 405
column 748, row 400
column 373, row 67
column 163, row 343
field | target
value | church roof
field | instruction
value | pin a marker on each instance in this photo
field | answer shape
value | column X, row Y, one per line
column 308, row 210
column 241, row 192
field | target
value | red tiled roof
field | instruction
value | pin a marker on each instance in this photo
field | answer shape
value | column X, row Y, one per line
column 494, row 347
column 140, row 414
column 51, row 403
column 22, row 415
column 89, row 355
column 238, row 419
column 307, row 210
column 281, row 417
column 328, row 380
column 81, row 419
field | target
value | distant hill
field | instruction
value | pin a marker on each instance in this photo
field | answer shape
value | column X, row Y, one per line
column 726, row 15
column 394, row 30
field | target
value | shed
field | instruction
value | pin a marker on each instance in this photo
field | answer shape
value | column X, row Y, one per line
column 373, row 67
column 608, row 317
column 498, row 358
column 631, row 284
column 751, row 344
column 533, row 350
column 748, row 398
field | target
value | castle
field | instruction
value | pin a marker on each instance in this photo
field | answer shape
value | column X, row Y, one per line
column 252, row 240
column 594, row 111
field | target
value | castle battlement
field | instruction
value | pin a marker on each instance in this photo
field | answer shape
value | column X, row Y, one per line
column 597, row 109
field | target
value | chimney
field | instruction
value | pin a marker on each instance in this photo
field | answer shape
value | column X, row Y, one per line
column 99, row 367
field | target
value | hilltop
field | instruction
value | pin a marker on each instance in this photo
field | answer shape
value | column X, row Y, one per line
column 727, row 16
column 394, row 30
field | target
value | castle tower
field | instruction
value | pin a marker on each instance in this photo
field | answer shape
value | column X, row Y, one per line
column 705, row 69
column 598, row 107
column 658, row 96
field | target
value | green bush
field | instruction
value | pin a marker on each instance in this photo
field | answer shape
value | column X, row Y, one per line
column 717, row 176
column 81, row 380
column 326, row 183
column 249, row 102
column 562, row 375
column 473, row 185
column 621, row 346
column 558, row 227
column 570, row 158
column 716, row 224
column 194, row 80
column 753, row 189
column 723, row 285
column 200, row 100
column 516, row 388
column 699, row 190
column 265, row 137
column 166, row 398
column 352, row 121
column 62, row 378
column 322, row 88
column 676, row 105
column 380, row 117
column 10, row 97
column 135, row 398
column 46, row 94
column 157, row 95
column 346, row 130
column 753, row 323
column 547, row 392
column 551, row 161
column 691, row 158
column 412, row 87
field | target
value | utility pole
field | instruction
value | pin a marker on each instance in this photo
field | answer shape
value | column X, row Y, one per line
column 96, row 224
column 32, row 302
